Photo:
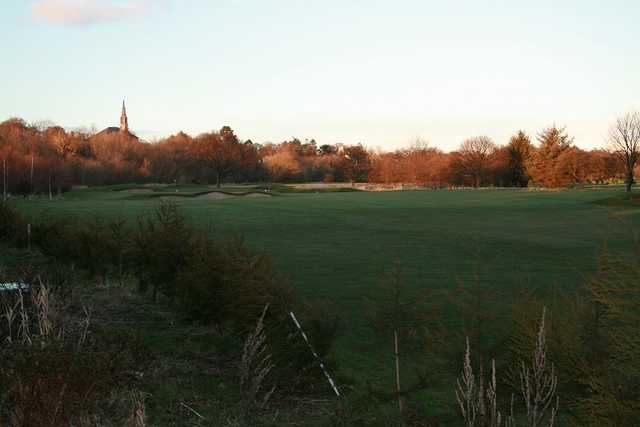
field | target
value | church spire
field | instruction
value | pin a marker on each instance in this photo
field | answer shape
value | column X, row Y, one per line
column 124, row 123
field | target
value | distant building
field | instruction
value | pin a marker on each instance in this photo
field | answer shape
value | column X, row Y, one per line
column 122, row 130
column 124, row 122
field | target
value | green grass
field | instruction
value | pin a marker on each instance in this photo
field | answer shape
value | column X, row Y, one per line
column 336, row 245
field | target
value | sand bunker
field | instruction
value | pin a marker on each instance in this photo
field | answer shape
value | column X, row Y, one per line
column 214, row 196
column 137, row 190
column 218, row 196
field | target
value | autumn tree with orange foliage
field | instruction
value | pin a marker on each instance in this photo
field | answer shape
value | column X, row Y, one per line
column 423, row 165
column 117, row 158
column 46, row 159
column 543, row 161
column 518, row 152
column 419, row 164
column 282, row 165
column 221, row 152
column 171, row 158
column 355, row 163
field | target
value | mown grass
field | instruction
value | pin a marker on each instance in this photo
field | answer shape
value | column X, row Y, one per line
column 335, row 246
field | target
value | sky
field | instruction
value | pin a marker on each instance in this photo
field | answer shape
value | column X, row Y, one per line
column 381, row 73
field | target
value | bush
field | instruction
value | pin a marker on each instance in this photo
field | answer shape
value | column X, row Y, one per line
column 250, row 282
column 601, row 358
column 13, row 227
column 161, row 245
column 230, row 282
column 54, row 237
column 100, row 250
column 201, row 285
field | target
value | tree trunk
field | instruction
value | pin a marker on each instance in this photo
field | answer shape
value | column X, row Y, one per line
column 4, row 180
column 31, row 181
column 400, row 402
column 218, row 183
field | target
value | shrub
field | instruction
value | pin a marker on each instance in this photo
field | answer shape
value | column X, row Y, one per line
column 160, row 248
column 201, row 285
column 13, row 227
column 101, row 248
column 251, row 282
column 230, row 282
column 54, row 237
column 600, row 343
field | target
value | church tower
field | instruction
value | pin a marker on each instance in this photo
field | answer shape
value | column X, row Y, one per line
column 124, row 123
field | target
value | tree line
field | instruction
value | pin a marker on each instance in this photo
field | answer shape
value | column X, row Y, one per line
column 43, row 158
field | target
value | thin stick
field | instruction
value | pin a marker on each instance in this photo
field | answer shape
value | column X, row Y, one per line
column 400, row 403
column 324, row 370
column 192, row 410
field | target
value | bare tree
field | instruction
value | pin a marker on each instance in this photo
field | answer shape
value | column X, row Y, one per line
column 624, row 137
column 476, row 154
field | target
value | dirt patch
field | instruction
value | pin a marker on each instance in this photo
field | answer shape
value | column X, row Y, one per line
column 257, row 195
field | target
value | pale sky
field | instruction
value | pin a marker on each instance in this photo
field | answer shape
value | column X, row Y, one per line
column 377, row 72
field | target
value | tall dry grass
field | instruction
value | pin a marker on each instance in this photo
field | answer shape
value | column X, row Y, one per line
column 478, row 400
column 255, row 366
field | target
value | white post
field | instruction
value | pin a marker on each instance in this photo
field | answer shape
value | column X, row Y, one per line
column 324, row 370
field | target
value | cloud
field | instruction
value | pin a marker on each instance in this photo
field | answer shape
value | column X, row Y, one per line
column 87, row 12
